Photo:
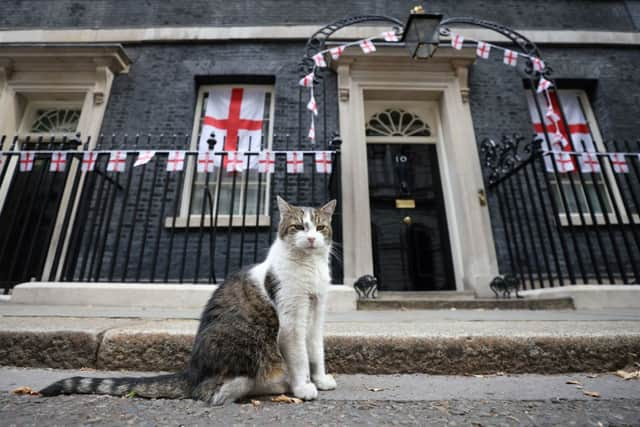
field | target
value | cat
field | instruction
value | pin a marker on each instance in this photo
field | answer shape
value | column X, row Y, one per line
column 261, row 331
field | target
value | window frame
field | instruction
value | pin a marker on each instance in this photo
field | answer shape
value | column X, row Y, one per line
column 260, row 219
column 606, row 170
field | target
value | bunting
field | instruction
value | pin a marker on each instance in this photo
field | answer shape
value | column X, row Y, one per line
column 58, row 161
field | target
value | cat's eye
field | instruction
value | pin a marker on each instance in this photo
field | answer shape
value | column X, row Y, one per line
column 296, row 227
column 320, row 227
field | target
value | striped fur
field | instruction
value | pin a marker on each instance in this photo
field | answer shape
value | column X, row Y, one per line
column 252, row 332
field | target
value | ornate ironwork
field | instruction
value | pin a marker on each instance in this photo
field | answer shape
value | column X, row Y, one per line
column 317, row 41
column 523, row 43
column 366, row 287
column 502, row 159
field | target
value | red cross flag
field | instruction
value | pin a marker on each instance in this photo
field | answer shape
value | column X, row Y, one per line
column 266, row 162
column 26, row 161
column 206, row 161
column 589, row 163
column 510, row 57
column 367, row 46
column 58, row 161
column 295, row 162
column 312, row 105
column 619, row 163
column 175, row 162
column 575, row 135
column 89, row 159
column 323, row 162
column 390, row 36
column 318, row 58
column 236, row 162
column 234, row 115
column 307, row 81
column 144, row 157
column 538, row 64
column 483, row 50
column 564, row 162
column 117, row 161
column 543, row 85
column 457, row 41
column 336, row 52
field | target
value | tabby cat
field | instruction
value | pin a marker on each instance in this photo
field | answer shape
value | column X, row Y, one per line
column 261, row 331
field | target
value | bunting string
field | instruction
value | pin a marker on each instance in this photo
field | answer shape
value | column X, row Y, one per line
column 367, row 45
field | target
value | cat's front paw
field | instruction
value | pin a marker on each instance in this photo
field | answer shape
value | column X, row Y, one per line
column 306, row 391
column 325, row 382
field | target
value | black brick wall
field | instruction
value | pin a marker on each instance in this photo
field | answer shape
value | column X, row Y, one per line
column 545, row 14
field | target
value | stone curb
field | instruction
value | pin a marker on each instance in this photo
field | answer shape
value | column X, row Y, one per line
column 344, row 354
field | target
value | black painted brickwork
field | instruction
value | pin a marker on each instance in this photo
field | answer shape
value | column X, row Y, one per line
column 545, row 14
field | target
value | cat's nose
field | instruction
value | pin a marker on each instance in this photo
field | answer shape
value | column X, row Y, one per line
column 311, row 239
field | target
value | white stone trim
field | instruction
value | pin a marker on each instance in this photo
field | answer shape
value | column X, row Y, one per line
column 289, row 32
column 592, row 297
column 38, row 72
column 470, row 233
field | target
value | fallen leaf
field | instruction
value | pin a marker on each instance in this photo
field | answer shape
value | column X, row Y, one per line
column 255, row 402
column 285, row 399
column 375, row 389
column 26, row 390
column 628, row 375
column 593, row 376
column 579, row 387
column 130, row 395
column 591, row 393
column 501, row 374
column 479, row 376
column 575, row 382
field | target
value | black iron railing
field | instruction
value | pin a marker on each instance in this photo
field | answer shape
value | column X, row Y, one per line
column 147, row 224
column 556, row 227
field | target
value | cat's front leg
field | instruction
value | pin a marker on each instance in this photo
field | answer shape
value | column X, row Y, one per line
column 315, row 345
column 293, row 332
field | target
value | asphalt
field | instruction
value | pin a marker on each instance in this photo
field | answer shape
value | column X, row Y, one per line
column 443, row 342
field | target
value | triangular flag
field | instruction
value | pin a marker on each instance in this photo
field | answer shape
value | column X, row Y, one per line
column 336, row 52
column 318, row 58
column 312, row 105
column 543, row 85
column 144, row 157
column 367, row 46
column 390, row 36
column 307, row 81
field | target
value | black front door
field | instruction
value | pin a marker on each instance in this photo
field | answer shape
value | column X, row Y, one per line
column 411, row 250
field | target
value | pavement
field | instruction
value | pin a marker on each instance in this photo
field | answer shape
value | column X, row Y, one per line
column 417, row 399
column 443, row 342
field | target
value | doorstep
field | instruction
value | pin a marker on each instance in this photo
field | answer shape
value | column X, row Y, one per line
column 143, row 295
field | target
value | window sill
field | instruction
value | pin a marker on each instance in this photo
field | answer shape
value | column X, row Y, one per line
column 222, row 221
column 576, row 221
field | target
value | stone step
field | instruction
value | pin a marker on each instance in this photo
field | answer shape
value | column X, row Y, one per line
column 388, row 302
column 436, row 347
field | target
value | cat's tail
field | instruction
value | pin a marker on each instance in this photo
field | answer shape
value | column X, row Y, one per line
column 171, row 386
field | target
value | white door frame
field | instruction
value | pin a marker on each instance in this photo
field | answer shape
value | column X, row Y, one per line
column 443, row 80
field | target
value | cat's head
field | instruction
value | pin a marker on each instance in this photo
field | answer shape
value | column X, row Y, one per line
column 306, row 228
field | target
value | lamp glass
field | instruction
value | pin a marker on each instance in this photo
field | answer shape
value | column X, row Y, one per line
column 422, row 35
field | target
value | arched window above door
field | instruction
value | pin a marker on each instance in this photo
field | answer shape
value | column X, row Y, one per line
column 396, row 122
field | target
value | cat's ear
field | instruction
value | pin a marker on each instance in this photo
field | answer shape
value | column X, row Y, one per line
column 283, row 206
column 329, row 208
